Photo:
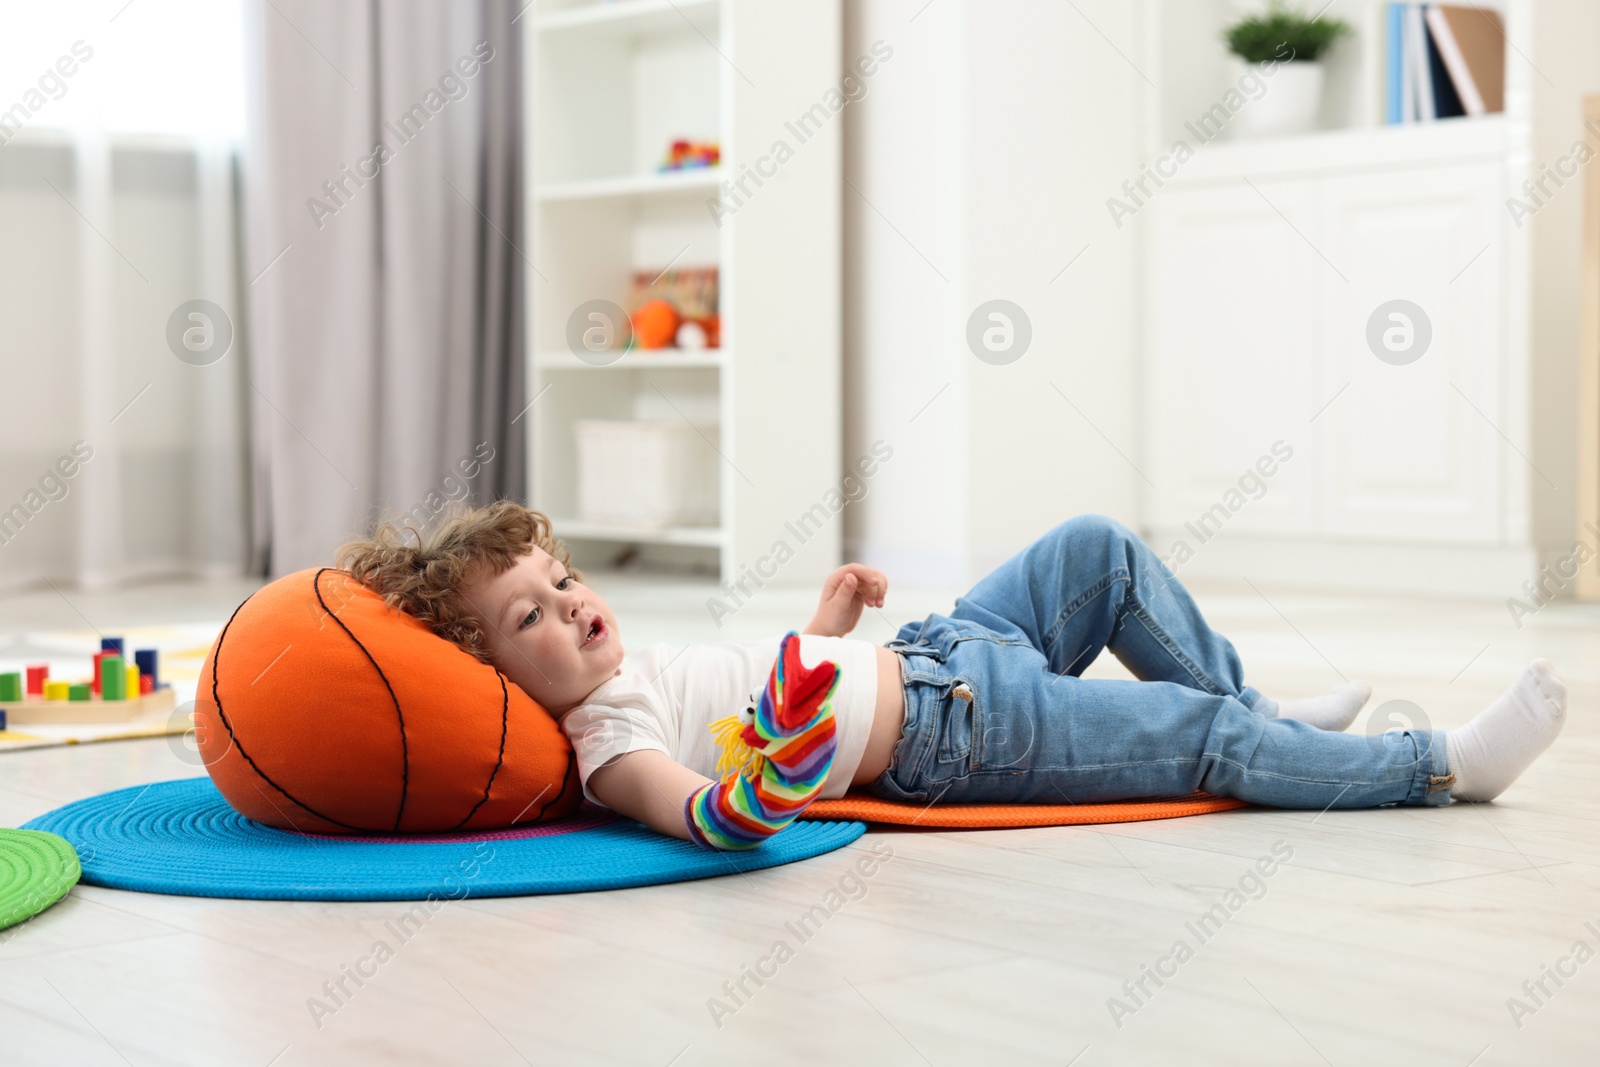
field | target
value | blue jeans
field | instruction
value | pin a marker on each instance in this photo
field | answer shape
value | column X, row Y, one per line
column 996, row 711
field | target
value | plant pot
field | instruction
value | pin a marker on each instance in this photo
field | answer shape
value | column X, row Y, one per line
column 1290, row 104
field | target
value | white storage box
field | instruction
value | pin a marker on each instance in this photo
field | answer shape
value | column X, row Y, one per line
column 637, row 472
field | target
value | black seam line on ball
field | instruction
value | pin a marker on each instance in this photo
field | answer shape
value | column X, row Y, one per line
column 233, row 738
column 505, row 706
column 405, row 750
column 572, row 766
column 566, row 778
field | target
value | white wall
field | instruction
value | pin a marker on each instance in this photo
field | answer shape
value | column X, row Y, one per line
column 981, row 160
column 1564, row 39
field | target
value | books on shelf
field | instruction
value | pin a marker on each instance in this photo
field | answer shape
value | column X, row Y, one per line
column 1443, row 61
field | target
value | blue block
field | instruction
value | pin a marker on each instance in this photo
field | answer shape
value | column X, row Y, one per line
column 145, row 660
column 111, row 644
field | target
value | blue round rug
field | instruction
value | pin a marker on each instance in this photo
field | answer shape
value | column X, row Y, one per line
column 181, row 837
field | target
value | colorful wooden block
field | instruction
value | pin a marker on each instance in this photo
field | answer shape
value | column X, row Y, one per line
column 111, row 644
column 113, row 678
column 11, row 685
column 146, row 658
column 37, row 674
column 94, row 673
column 147, row 684
column 78, row 691
column 131, row 685
column 57, row 688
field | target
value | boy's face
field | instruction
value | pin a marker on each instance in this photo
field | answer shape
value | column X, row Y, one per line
column 551, row 635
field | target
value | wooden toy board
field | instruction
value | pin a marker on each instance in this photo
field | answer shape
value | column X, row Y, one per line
column 50, row 735
column 183, row 647
column 35, row 709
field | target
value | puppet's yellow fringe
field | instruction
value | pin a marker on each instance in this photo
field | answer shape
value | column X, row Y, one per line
column 733, row 753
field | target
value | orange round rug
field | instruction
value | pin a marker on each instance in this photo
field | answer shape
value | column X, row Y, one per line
column 868, row 808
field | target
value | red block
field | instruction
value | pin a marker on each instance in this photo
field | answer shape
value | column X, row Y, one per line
column 147, row 685
column 37, row 673
column 94, row 678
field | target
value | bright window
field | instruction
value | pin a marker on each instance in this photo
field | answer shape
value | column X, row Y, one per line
column 145, row 66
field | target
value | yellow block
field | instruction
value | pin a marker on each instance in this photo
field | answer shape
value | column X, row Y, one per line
column 56, row 689
column 133, row 681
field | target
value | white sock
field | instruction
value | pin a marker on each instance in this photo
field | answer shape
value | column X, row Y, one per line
column 1334, row 710
column 1489, row 752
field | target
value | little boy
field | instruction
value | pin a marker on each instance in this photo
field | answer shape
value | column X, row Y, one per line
column 984, row 705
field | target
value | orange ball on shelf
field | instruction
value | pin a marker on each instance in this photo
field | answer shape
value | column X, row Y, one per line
column 655, row 324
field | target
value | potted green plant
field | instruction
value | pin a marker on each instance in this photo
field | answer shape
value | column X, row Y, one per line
column 1285, row 48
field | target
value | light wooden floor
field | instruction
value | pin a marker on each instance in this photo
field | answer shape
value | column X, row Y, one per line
column 1390, row 936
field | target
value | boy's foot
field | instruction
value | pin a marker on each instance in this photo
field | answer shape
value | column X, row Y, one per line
column 1334, row 710
column 1488, row 753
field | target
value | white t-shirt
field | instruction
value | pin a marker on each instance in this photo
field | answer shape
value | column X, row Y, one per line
column 667, row 696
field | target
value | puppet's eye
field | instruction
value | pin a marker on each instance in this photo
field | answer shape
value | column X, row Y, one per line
column 748, row 715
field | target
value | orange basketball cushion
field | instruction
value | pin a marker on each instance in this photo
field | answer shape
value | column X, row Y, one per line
column 322, row 709
column 868, row 808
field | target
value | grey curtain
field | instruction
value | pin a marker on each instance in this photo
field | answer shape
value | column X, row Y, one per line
column 383, row 265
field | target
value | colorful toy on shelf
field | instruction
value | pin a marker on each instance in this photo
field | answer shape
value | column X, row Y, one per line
column 701, row 333
column 10, row 686
column 684, row 154
column 111, row 644
column 663, row 305
column 691, row 336
column 655, row 324
column 38, row 674
column 57, row 689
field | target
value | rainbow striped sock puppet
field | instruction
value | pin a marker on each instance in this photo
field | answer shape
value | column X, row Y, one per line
column 774, row 756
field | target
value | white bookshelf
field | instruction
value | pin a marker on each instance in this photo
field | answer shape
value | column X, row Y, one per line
column 1452, row 475
column 609, row 84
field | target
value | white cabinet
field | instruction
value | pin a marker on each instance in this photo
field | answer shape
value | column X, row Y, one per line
column 1411, row 450
column 1261, row 296
column 1264, row 261
column 1267, row 280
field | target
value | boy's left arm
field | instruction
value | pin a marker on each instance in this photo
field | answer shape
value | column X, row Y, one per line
column 845, row 592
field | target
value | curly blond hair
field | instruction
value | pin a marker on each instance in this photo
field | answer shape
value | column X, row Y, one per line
column 422, row 572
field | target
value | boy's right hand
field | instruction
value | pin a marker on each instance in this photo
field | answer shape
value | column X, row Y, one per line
column 844, row 593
